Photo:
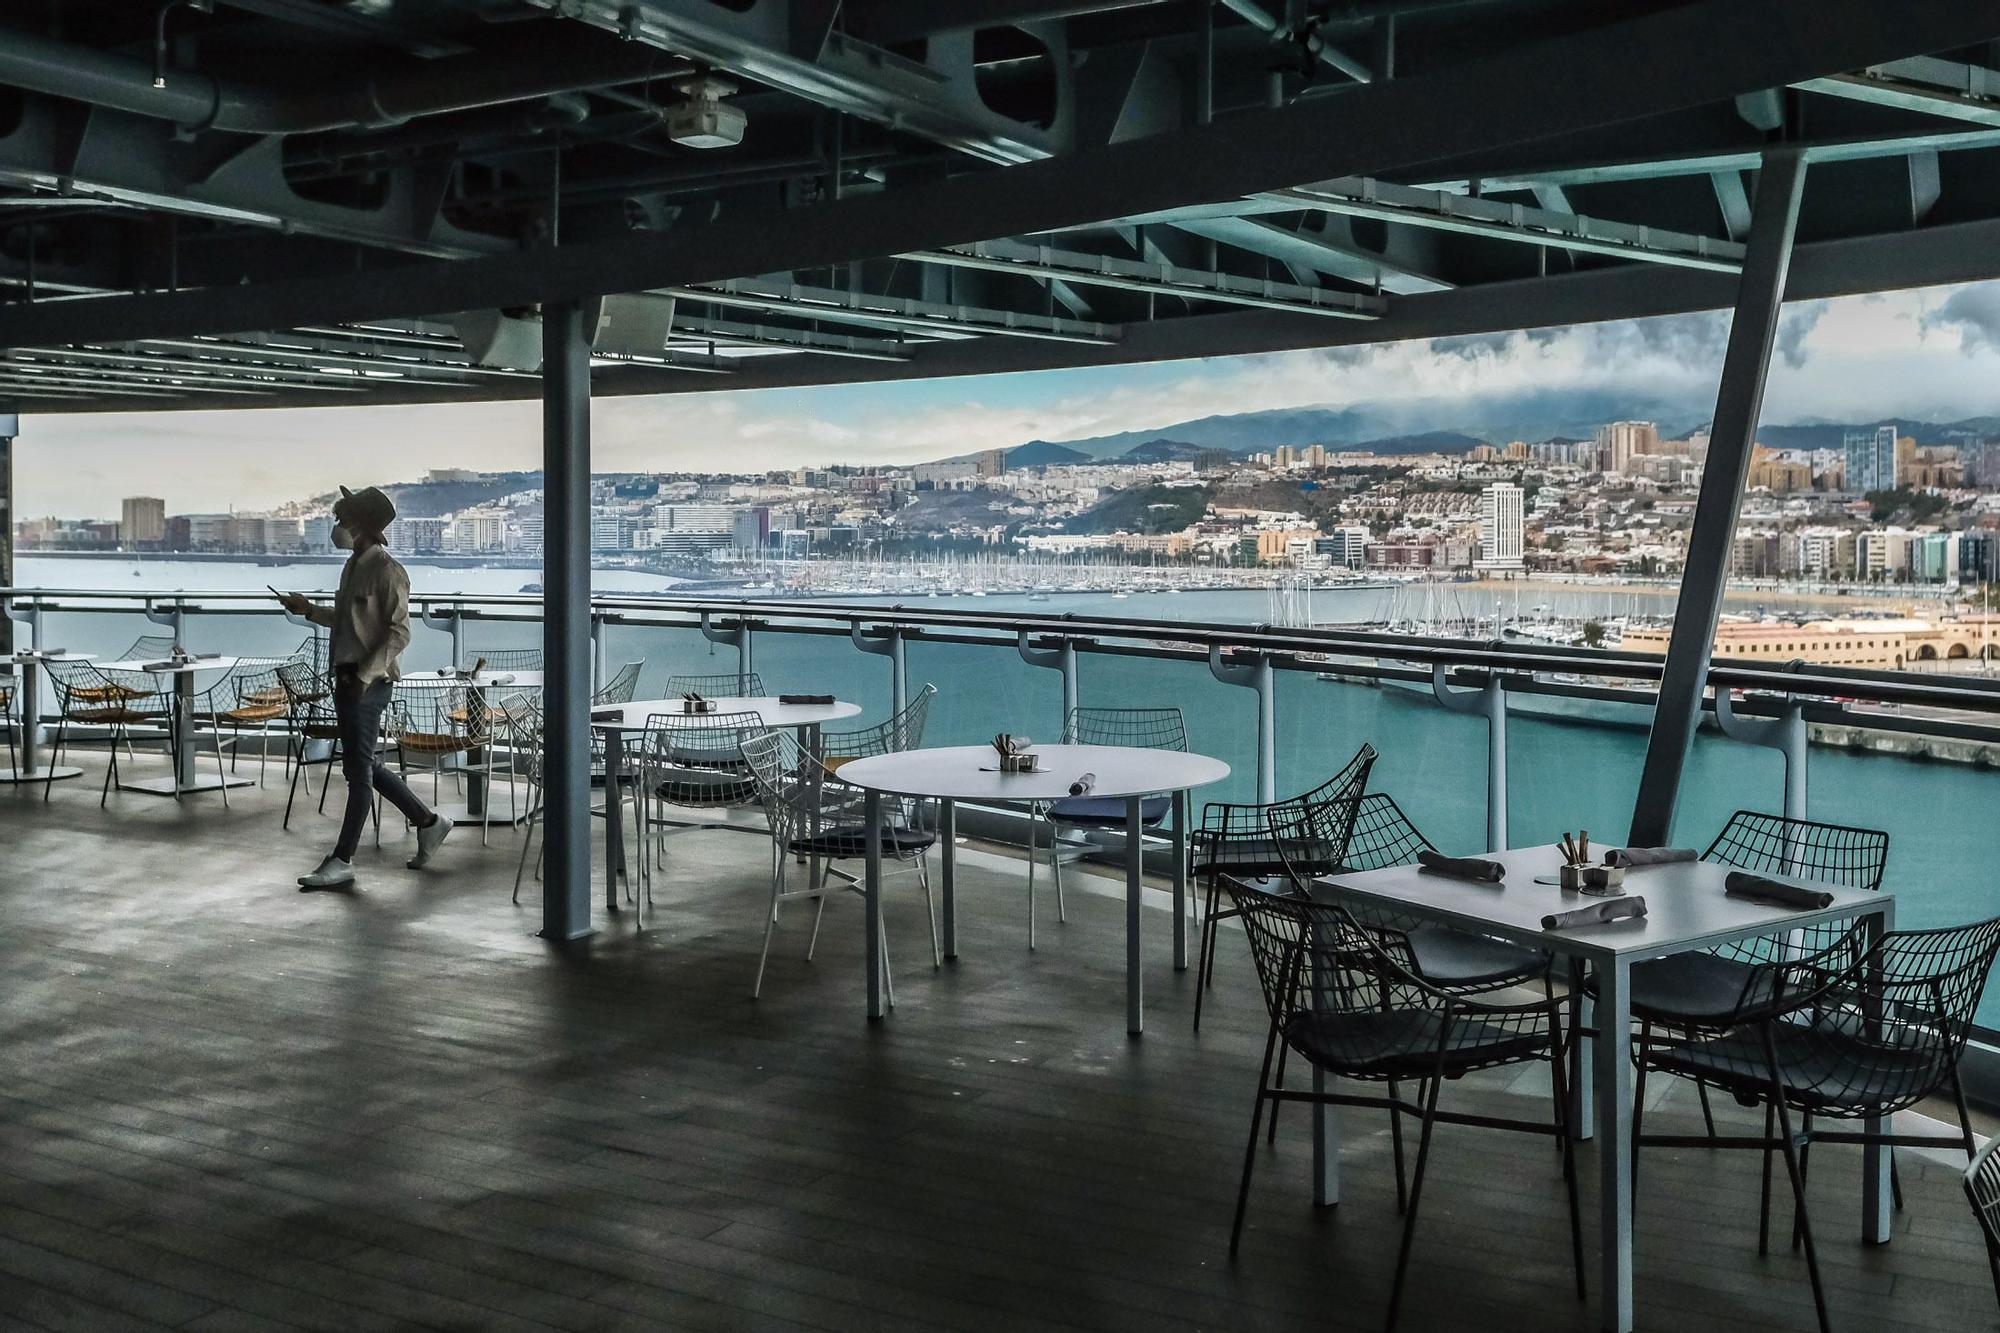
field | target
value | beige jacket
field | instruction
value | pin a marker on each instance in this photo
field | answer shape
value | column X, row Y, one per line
column 370, row 616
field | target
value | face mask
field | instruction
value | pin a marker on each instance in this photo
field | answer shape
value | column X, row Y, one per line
column 343, row 540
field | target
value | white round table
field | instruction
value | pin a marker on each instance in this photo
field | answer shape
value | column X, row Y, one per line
column 970, row 773
column 182, row 673
column 30, row 688
column 614, row 721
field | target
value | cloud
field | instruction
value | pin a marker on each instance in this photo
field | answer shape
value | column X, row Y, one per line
column 1973, row 313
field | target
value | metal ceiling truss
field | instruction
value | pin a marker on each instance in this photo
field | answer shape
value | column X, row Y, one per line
column 933, row 189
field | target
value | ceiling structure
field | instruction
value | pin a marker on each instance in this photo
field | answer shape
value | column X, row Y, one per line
column 247, row 203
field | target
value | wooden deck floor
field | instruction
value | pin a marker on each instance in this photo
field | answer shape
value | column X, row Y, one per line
column 224, row 1104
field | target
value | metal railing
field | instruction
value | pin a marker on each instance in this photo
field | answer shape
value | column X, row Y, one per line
column 1754, row 703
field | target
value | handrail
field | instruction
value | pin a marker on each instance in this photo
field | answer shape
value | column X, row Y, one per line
column 1470, row 661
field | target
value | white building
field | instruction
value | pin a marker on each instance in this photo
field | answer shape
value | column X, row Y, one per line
column 1502, row 527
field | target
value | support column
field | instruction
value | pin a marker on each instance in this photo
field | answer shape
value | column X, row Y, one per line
column 9, row 427
column 1766, row 261
column 566, row 621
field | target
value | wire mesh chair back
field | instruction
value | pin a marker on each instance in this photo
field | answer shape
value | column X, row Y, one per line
column 1877, row 1035
column 148, row 648
column 85, row 693
column 904, row 731
column 623, row 686
column 726, row 685
column 698, row 758
column 798, row 799
column 1146, row 728
column 1311, row 836
column 312, row 651
column 252, row 696
column 1982, row 1191
column 1383, row 835
column 1347, row 996
column 1235, row 837
column 507, row 659
column 1854, row 858
column 430, row 717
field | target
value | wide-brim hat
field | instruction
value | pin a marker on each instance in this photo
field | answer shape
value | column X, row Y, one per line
column 368, row 509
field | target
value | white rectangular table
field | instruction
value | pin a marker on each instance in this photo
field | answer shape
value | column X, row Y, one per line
column 1686, row 910
column 182, row 675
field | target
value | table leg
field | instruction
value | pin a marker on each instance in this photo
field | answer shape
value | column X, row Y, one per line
column 31, row 710
column 614, row 816
column 1877, row 1197
column 948, row 873
column 1180, row 813
column 871, row 897
column 1613, row 1074
column 184, row 723
column 1135, row 976
column 1326, row 1145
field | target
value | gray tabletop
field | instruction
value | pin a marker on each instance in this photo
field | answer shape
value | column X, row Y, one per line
column 634, row 716
column 499, row 678
column 161, row 667
column 1686, row 907
column 966, row 772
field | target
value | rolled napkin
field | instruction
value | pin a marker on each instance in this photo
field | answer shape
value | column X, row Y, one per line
column 1647, row 856
column 1083, row 784
column 1611, row 909
column 1463, row 867
column 805, row 698
column 1743, row 884
column 167, row 665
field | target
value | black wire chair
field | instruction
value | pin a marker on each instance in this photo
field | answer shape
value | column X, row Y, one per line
column 1146, row 728
column 147, row 648
column 1236, row 839
column 1345, row 997
column 1849, row 1033
column 7, row 720
column 249, row 699
column 726, row 685
column 311, row 720
column 1701, row 985
column 1982, row 1191
column 119, row 700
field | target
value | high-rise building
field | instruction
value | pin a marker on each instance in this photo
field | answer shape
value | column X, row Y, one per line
column 1501, row 526
column 143, row 521
column 1344, row 547
column 1619, row 441
column 1870, row 459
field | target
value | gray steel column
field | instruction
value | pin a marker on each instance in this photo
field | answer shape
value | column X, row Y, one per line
column 1738, row 400
column 9, row 426
column 566, row 621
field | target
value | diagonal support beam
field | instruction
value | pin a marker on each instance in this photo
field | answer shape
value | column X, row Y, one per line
column 1690, row 55
column 1738, row 400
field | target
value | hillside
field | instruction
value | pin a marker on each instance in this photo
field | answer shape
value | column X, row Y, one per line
column 1145, row 509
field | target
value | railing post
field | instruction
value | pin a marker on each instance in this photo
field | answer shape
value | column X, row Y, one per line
column 1786, row 734
column 175, row 618
column 1061, row 658
column 1491, row 701
column 887, row 642
column 453, row 622
column 600, row 622
column 1257, row 674
column 738, row 638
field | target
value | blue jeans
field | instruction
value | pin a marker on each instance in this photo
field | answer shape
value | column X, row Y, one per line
column 359, row 711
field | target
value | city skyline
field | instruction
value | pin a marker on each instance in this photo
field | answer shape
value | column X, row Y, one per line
column 1927, row 354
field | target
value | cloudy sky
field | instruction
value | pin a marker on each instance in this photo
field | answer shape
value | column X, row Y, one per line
column 1932, row 354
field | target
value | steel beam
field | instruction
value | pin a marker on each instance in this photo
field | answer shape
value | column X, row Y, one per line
column 1686, row 56
column 1738, row 400
column 1925, row 84
column 566, row 624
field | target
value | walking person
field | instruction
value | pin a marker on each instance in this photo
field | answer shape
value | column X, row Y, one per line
column 370, row 624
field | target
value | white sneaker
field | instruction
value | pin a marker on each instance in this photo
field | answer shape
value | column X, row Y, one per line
column 428, row 839
column 333, row 873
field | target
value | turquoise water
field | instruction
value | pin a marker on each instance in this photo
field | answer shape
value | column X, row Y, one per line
column 1561, row 776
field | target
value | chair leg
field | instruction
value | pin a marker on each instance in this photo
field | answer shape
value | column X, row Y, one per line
column 770, row 924
column 1250, row 1148
column 1805, row 1170
column 1639, row 1104
column 1271, row 1131
column 521, row 868
column 1707, row 1115
column 1396, row 1140
column 1559, row 1078
column 1764, row 1199
column 1203, row 953
column 1795, row 1167
column 1416, row 1193
column 110, row 770
column 1055, row 873
column 55, row 757
column 930, row 912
